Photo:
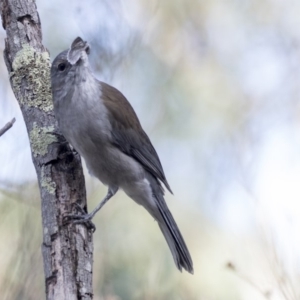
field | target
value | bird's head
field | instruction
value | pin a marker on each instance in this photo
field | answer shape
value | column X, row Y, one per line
column 69, row 67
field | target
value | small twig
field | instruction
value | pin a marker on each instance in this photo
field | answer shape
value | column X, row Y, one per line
column 7, row 126
column 230, row 266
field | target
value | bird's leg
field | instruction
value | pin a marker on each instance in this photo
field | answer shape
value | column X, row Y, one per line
column 86, row 218
column 110, row 193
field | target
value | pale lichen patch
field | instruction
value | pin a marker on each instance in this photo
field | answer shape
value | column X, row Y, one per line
column 47, row 183
column 40, row 138
column 88, row 266
column 33, row 67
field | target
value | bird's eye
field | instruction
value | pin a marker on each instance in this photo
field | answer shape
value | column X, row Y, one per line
column 61, row 67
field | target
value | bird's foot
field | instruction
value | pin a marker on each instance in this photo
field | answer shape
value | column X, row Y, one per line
column 82, row 218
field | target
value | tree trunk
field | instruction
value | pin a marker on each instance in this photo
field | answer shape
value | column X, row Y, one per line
column 67, row 249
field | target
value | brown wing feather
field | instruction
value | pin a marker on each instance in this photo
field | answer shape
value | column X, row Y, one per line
column 128, row 134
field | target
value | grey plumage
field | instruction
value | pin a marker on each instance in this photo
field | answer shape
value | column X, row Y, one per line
column 101, row 125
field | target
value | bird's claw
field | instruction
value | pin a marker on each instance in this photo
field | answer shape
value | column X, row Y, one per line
column 83, row 218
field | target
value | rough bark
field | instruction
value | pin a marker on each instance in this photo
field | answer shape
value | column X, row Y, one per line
column 67, row 249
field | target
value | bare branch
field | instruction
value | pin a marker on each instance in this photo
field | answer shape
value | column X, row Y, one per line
column 7, row 126
column 67, row 249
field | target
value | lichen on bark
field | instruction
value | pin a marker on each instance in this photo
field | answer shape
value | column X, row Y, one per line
column 34, row 66
column 41, row 138
column 47, row 182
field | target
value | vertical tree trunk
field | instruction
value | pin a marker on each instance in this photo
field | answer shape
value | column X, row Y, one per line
column 67, row 250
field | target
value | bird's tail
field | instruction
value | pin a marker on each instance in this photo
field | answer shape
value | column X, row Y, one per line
column 168, row 226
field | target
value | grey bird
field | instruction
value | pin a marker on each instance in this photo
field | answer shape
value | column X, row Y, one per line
column 99, row 122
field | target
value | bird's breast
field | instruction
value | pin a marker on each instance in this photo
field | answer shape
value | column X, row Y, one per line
column 84, row 121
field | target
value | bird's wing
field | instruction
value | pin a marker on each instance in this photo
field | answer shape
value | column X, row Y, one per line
column 128, row 134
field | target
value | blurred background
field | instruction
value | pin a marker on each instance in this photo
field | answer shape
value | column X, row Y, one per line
column 216, row 86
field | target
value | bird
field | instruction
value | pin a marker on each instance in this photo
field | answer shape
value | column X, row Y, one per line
column 100, row 123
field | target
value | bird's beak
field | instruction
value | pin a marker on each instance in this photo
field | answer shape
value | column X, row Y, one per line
column 79, row 50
